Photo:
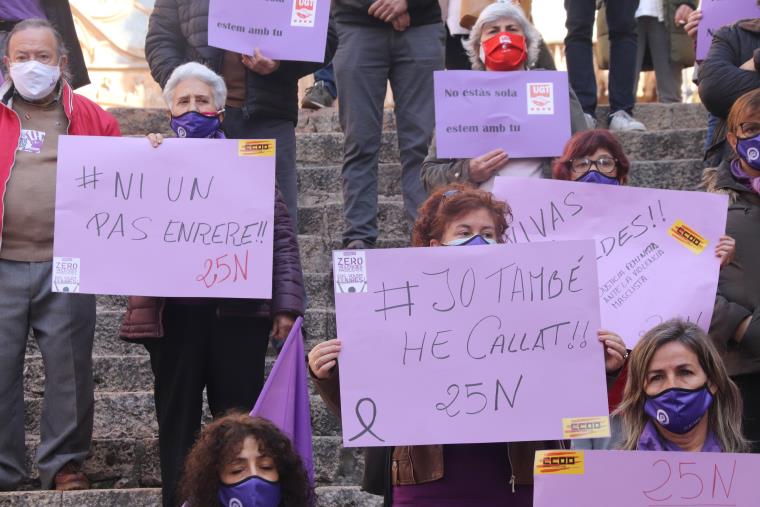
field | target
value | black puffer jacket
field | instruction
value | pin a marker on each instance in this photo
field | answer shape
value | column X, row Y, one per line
column 178, row 33
column 721, row 81
column 738, row 294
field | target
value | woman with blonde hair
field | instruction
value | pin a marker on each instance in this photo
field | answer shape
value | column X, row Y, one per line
column 679, row 396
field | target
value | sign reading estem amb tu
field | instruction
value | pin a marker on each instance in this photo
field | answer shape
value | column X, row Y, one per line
column 191, row 218
column 280, row 29
column 460, row 345
column 645, row 479
column 525, row 113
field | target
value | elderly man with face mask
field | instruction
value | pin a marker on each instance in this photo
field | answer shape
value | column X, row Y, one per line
column 37, row 106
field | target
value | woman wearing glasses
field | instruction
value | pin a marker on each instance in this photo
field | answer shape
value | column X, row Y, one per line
column 735, row 326
column 596, row 156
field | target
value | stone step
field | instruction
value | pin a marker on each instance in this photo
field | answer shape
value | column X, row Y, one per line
column 134, row 463
column 329, row 496
column 319, row 324
column 319, row 181
column 126, row 414
column 323, row 184
column 683, row 143
column 655, row 116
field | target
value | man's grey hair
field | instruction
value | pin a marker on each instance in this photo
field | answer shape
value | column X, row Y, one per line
column 35, row 23
column 501, row 10
column 194, row 70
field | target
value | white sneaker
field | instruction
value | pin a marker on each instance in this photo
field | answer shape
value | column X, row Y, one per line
column 620, row 120
column 590, row 121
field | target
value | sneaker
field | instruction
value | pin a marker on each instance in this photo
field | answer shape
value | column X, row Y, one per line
column 590, row 121
column 620, row 120
column 71, row 478
column 317, row 97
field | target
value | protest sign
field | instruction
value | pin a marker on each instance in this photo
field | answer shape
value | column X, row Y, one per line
column 645, row 479
column 191, row 218
column 655, row 248
column 527, row 114
column 280, row 29
column 459, row 345
column 718, row 13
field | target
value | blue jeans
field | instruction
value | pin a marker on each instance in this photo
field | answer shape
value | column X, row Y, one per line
column 327, row 76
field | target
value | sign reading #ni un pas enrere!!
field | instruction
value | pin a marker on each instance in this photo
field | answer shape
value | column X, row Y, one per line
column 190, row 218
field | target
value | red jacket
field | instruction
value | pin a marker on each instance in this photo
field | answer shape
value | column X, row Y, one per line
column 85, row 119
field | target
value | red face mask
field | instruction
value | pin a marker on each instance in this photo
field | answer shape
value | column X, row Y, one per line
column 504, row 51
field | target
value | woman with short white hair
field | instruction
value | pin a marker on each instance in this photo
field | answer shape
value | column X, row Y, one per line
column 205, row 343
column 502, row 40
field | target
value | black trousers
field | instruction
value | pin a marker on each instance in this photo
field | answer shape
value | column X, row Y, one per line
column 749, row 385
column 199, row 350
column 623, row 43
column 456, row 56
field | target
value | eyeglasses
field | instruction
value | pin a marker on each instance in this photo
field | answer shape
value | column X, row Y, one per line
column 605, row 165
column 450, row 193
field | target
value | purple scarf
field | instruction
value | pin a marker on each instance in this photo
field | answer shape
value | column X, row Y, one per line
column 752, row 183
column 650, row 440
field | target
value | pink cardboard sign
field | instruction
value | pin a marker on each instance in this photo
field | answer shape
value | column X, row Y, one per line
column 645, row 479
column 191, row 218
column 656, row 248
column 460, row 345
column 719, row 13
column 525, row 113
column 280, row 29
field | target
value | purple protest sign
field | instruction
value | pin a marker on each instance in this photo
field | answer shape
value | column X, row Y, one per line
column 191, row 218
column 718, row 13
column 655, row 247
column 525, row 113
column 645, row 479
column 462, row 345
column 280, row 29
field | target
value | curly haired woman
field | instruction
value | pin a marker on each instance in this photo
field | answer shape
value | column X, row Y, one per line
column 244, row 461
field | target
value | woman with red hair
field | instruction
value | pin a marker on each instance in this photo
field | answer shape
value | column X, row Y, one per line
column 463, row 475
column 593, row 156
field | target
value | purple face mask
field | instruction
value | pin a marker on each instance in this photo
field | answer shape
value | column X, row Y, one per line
column 471, row 241
column 748, row 149
column 679, row 410
column 197, row 125
column 251, row 492
column 597, row 177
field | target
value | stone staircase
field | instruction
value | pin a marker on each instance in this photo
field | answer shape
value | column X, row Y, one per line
column 124, row 461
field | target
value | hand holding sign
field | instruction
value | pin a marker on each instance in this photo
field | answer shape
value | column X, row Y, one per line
column 485, row 166
column 260, row 64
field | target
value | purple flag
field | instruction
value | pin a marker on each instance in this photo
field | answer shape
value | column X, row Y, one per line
column 284, row 400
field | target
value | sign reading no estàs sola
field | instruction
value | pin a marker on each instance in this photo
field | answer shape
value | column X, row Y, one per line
column 525, row 113
column 191, row 218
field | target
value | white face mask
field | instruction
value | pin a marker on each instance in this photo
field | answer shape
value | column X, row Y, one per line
column 34, row 80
